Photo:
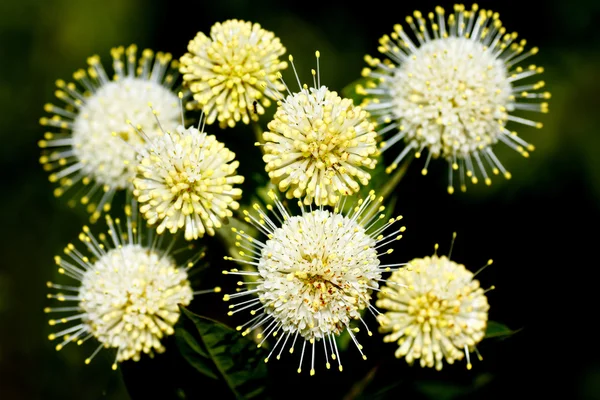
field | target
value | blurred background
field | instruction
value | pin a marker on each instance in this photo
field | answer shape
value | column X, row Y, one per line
column 534, row 226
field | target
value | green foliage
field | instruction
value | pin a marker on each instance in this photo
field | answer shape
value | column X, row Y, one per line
column 349, row 91
column 498, row 330
column 440, row 390
column 220, row 353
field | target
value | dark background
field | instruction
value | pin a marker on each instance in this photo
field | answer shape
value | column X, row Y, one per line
column 540, row 227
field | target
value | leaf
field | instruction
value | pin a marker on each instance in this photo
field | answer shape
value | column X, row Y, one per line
column 166, row 375
column 195, row 354
column 219, row 352
column 441, row 390
column 343, row 340
column 383, row 392
column 358, row 388
column 349, row 91
column 496, row 329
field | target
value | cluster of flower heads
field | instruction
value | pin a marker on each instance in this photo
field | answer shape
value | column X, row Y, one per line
column 92, row 148
column 450, row 92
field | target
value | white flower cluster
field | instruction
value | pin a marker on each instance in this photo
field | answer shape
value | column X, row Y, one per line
column 449, row 88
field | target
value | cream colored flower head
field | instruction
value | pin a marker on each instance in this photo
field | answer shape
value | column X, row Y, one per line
column 127, row 291
column 90, row 148
column 434, row 310
column 185, row 181
column 229, row 71
column 319, row 146
column 314, row 273
column 454, row 86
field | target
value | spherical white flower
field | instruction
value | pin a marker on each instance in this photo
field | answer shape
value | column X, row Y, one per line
column 314, row 274
column 128, row 294
column 326, row 284
column 453, row 91
column 319, row 145
column 96, row 144
column 229, row 72
column 185, row 181
column 435, row 310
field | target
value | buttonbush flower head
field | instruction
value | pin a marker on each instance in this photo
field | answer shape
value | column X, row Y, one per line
column 127, row 293
column 454, row 90
column 319, row 145
column 185, row 180
column 229, row 71
column 91, row 143
column 314, row 274
column 435, row 310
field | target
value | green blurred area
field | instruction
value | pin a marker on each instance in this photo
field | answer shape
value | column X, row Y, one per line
column 551, row 193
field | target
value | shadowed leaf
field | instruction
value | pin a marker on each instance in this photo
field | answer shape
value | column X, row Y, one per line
column 219, row 352
column 496, row 329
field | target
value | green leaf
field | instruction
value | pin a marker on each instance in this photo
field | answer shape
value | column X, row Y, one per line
column 441, row 390
column 343, row 340
column 387, row 390
column 195, row 354
column 219, row 352
column 349, row 91
column 496, row 329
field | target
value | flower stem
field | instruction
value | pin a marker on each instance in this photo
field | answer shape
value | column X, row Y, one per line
column 358, row 388
column 388, row 187
column 258, row 132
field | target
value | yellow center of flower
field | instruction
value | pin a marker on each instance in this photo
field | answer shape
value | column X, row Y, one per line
column 324, row 285
column 430, row 309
